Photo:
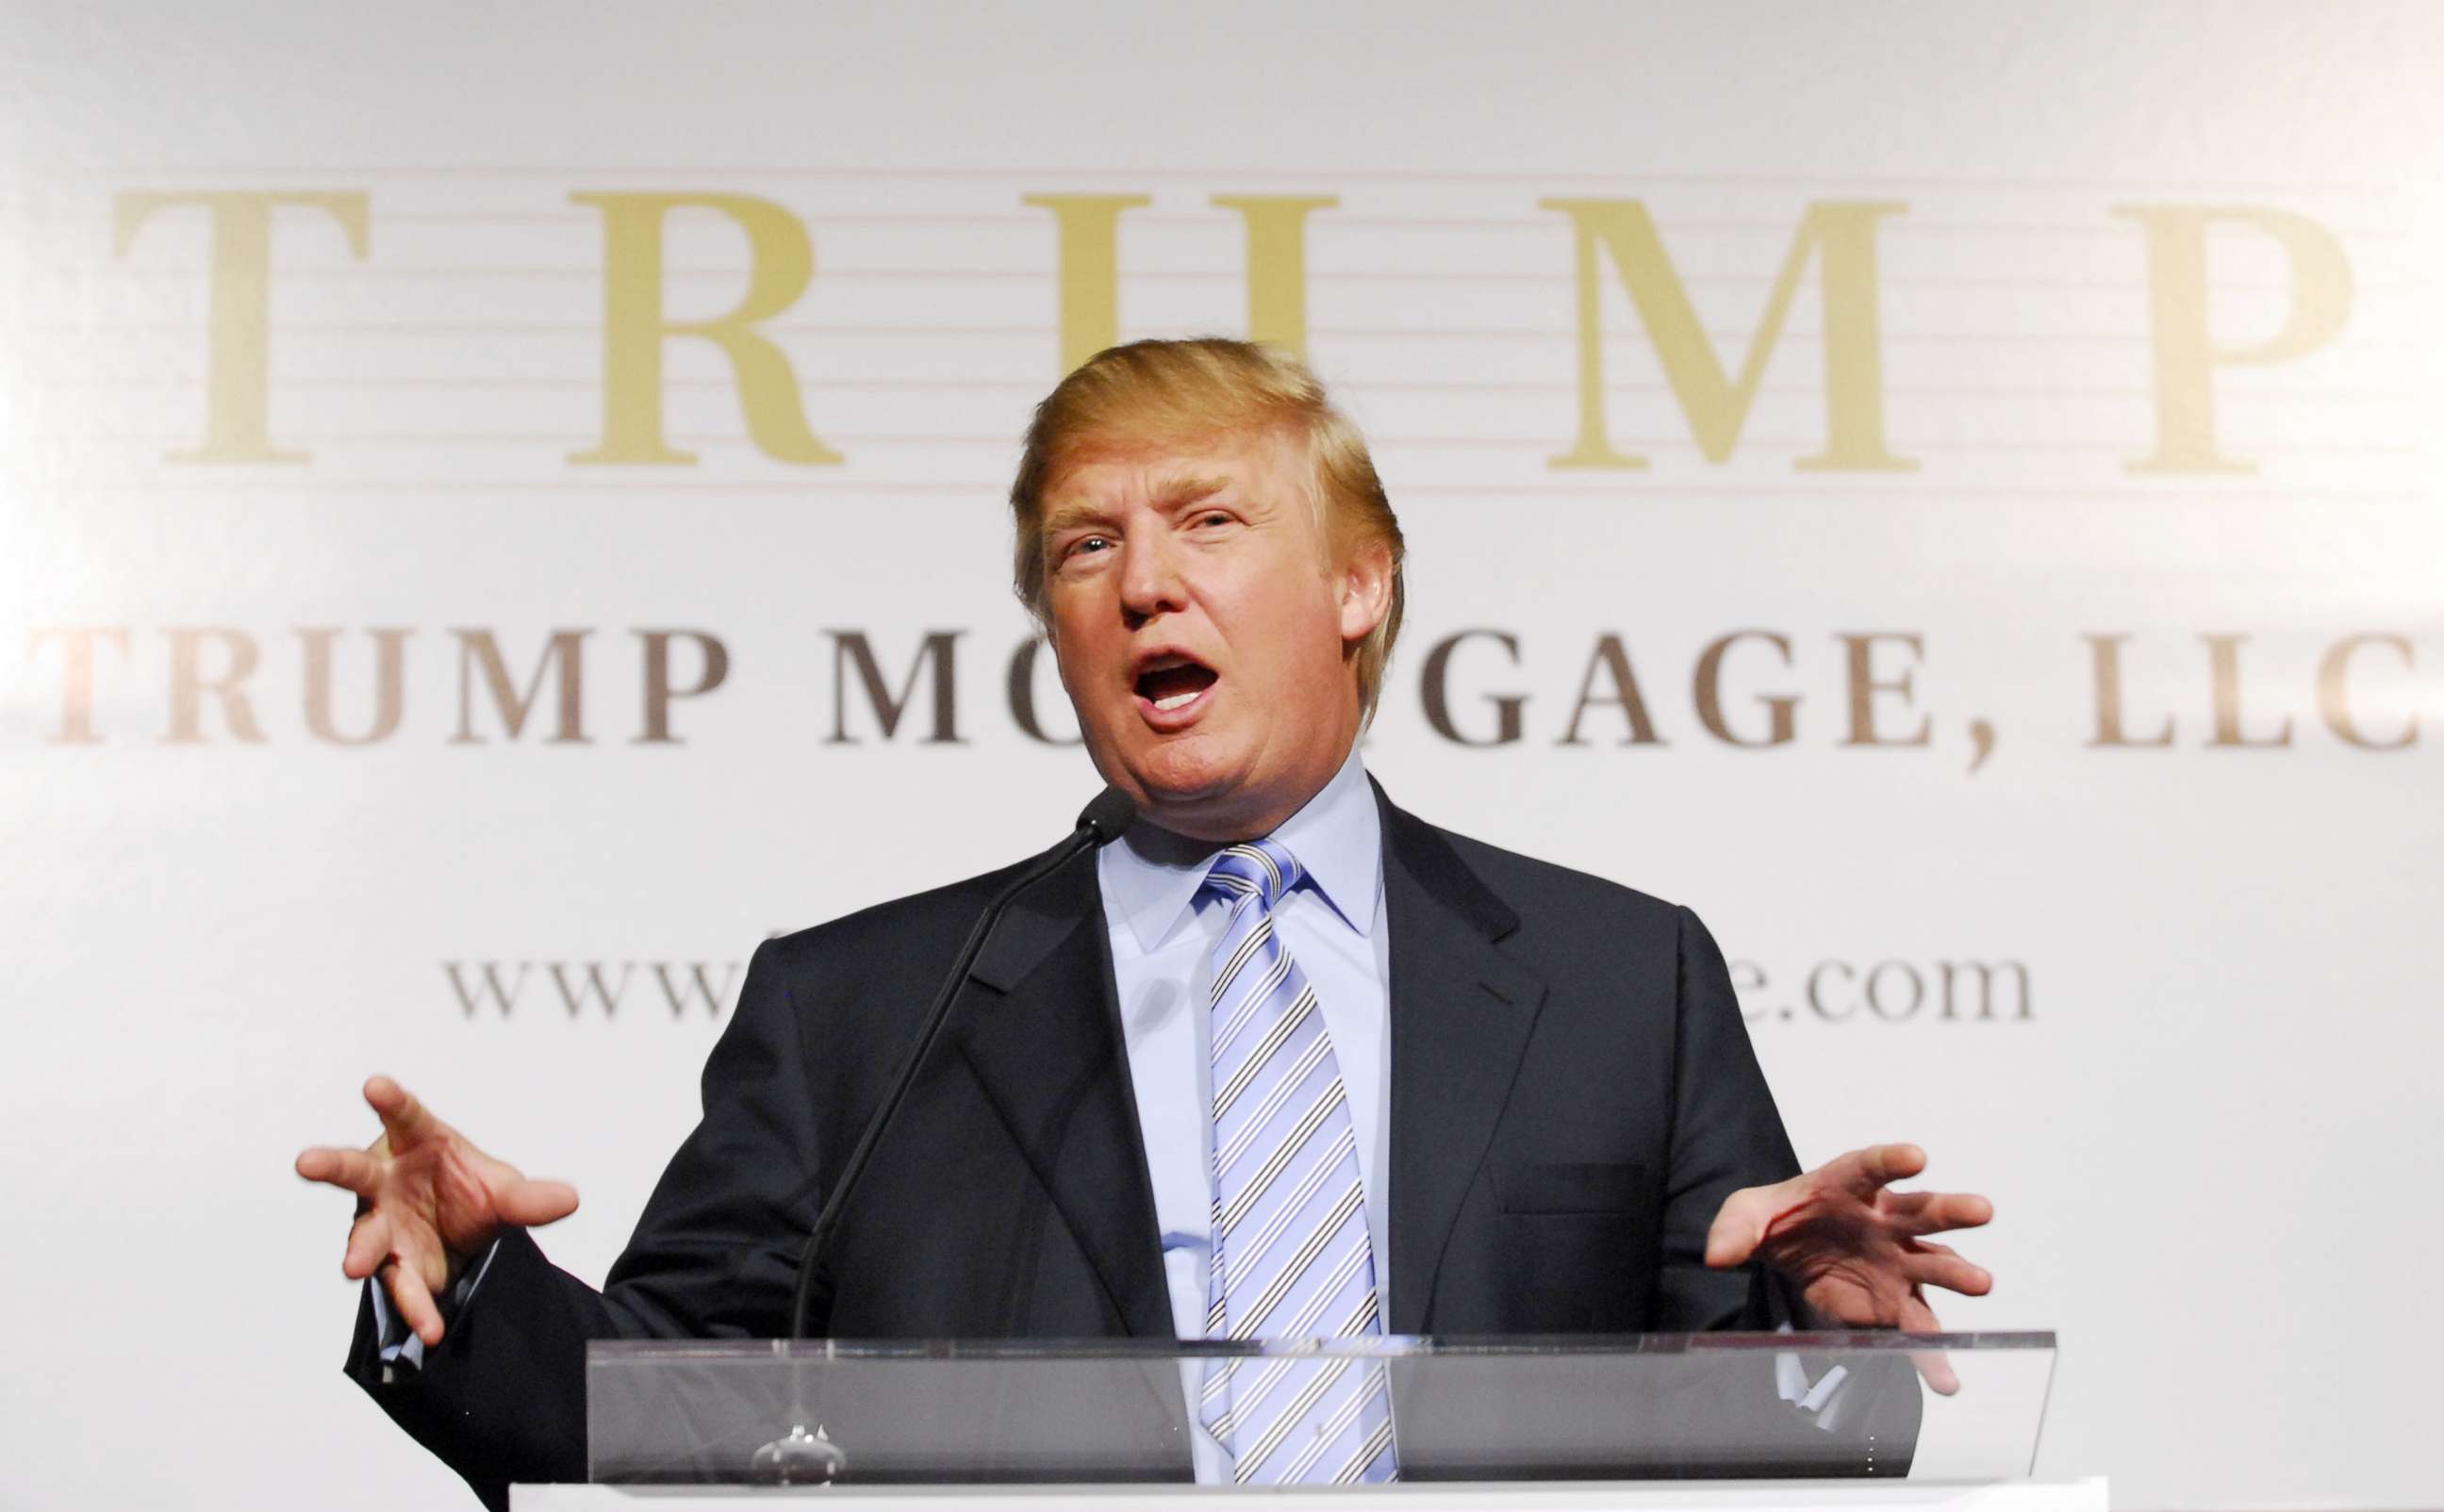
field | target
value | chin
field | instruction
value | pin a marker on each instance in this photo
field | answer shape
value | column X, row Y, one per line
column 1185, row 772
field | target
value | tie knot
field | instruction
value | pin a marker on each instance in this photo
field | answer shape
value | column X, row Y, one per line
column 1263, row 868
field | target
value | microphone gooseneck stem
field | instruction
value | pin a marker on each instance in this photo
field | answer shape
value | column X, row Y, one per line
column 1104, row 819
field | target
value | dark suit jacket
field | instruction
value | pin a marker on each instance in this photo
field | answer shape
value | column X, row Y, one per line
column 1573, row 1096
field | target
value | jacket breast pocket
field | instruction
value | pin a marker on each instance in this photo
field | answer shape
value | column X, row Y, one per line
column 1570, row 1186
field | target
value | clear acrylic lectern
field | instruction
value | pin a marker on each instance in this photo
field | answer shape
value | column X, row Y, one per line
column 1654, row 1407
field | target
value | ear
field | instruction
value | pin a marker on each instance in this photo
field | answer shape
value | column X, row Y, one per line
column 1365, row 579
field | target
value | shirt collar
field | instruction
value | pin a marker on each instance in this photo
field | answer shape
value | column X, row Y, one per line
column 1150, row 876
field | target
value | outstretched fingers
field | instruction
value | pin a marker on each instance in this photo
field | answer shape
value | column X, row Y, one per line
column 404, row 1119
column 1881, row 1165
column 368, row 1242
column 1934, row 1368
column 1934, row 1365
column 356, row 1170
column 414, row 1301
column 1917, row 1213
column 1936, row 1265
column 531, row 1203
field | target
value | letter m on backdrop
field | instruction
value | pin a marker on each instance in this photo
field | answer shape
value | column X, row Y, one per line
column 1838, row 235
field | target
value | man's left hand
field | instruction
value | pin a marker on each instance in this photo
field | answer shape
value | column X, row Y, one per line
column 1858, row 1250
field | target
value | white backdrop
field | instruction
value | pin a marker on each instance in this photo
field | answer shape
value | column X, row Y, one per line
column 2115, row 328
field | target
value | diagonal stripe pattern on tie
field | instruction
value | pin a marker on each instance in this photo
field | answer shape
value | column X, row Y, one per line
column 1292, row 1258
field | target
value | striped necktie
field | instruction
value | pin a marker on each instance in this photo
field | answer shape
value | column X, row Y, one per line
column 1292, row 1259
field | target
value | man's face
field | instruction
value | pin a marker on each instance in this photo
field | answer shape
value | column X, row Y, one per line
column 1200, row 625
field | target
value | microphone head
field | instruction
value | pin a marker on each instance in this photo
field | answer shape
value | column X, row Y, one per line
column 1110, row 813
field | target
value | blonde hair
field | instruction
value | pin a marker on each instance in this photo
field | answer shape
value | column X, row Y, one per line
column 1186, row 392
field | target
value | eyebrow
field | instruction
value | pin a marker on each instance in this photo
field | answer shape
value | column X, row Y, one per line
column 1172, row 494
column 1070, row 516
column 1178, row 493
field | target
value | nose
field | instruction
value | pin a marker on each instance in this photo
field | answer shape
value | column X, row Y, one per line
column 1150, row 578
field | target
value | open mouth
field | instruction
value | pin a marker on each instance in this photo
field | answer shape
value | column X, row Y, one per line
column 1171, row 683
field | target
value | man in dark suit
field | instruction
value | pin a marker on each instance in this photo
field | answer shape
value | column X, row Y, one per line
column 1285, row 1060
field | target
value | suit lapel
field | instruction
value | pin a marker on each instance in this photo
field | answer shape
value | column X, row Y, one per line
column 1461, row 1014
column 1045, row 1040
column 1042, row 1036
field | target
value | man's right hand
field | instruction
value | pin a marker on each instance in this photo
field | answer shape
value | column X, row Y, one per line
column 428, row 1203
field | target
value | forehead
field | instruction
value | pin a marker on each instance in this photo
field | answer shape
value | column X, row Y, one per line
column 1263, row 468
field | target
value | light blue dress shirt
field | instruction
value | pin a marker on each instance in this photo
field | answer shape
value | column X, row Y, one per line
column 1163, row 936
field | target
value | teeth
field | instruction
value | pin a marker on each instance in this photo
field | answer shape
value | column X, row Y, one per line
column 1174, row 701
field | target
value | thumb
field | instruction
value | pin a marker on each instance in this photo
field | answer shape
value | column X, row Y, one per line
column 1736, row 1231
column 532, row 1204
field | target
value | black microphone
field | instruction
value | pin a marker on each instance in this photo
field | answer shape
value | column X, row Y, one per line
column 1100, row 823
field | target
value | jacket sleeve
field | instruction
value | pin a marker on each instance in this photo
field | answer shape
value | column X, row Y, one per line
column 1726, row 1134
column 502, row 1397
